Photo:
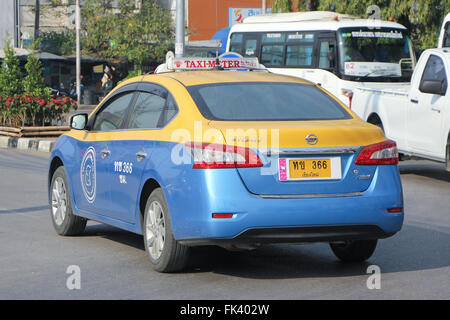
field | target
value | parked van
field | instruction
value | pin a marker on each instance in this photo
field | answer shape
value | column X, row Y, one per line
column 339, row 52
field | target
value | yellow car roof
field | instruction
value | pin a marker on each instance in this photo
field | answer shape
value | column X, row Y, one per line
column 192, row 78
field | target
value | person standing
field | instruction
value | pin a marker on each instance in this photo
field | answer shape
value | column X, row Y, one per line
column 107, row 82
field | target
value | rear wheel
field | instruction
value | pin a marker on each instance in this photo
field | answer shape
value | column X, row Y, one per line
column 354, row 251
column 64, row 221
column 165, row 253
column 375, row 120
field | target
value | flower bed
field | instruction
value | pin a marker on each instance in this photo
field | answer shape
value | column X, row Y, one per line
column 28, row 110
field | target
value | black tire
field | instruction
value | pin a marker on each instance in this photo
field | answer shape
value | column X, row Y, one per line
column 377, row 122
column 173, row 256
column 71, row 224
column 354, row 251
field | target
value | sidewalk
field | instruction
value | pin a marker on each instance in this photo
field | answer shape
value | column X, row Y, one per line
column 37, row 144
column 42, row 145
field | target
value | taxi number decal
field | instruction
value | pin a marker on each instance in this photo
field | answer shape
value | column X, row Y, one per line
column 124, row 167
column 300, row 165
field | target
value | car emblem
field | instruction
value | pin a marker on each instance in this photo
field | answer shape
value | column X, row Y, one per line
column 311, row 139
column 88, row 174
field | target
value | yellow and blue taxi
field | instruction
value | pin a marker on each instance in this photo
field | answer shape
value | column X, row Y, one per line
column 205, row 153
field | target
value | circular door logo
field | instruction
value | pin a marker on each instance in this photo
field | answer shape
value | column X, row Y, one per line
column 311, row 139
column 88, row 175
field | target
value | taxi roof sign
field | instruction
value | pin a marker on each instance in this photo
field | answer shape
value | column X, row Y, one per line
column 226, row 61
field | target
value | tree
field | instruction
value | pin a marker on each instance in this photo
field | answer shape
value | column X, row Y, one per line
column 34, row 86
column 127, row 32
column 10, row 84
column 10, row 74
column 281, row 6
column 422, row 18
column 305, row 5
column 57, row 42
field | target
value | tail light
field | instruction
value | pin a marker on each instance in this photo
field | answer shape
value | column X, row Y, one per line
column 381, row 153
column 219, row 156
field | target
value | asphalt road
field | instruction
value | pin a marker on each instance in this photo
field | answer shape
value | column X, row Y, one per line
column 414, row 264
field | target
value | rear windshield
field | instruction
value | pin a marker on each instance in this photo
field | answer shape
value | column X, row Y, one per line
column 265, row 101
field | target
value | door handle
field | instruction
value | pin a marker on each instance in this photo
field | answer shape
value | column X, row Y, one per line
column 105, row 153
column 140, row 155
column 414, row 101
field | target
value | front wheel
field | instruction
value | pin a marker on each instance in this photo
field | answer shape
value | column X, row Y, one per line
column 165, row 253
column 64, row 221
column 354, row 251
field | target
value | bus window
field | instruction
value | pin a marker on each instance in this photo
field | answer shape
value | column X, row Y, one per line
column 250, row 48
column 299, row 56
column 272, row 55
column 327, row 54
column 236, row 42
column 381, row 55
column 299, row 49
column 272, row 49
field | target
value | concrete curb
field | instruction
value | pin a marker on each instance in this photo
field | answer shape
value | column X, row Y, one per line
column 27, row 144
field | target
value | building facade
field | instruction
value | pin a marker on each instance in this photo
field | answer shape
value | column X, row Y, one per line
column 9, row 22
column 205, row 18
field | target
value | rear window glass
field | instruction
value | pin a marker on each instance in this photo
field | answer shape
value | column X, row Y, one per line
column 265, row 101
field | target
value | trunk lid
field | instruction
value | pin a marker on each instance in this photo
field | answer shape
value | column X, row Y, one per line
column 283, row 144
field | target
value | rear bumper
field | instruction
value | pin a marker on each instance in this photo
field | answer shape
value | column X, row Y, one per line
column 263, row 219
column 297, row 235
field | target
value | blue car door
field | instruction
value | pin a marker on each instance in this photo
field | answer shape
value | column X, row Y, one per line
column 131, row 150
column 103, row 127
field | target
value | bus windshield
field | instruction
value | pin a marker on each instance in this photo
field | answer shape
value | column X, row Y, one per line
column 378, row 54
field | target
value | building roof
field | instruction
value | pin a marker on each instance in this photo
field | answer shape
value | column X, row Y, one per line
column 21, row 53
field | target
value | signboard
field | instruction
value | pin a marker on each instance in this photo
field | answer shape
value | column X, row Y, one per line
column 237, row 15
column 210, row 63
column 367, row 69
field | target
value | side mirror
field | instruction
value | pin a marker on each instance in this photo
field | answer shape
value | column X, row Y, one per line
column 79, row 121
column 433, row 87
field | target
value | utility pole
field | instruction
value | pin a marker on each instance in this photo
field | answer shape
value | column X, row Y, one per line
column 37, row 13
column 78, row 58
column 179, row 30
column 264, row 6
column 17, row 37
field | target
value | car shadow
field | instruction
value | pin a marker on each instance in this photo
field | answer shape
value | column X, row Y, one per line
column 114, row 234
column 24, row 210
column 414, row 248
column 429, row 169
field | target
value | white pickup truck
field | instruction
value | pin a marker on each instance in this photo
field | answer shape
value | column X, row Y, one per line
column 417, row 116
